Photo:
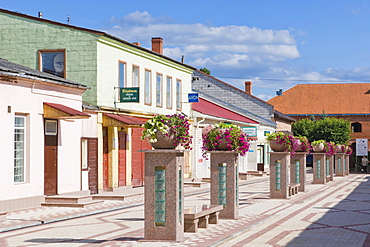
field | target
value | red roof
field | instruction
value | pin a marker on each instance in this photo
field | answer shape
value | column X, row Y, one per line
column 67, row 110
column 125, row 119
column 209, row 108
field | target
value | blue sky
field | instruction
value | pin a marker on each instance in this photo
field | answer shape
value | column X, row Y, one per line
column 274, row 44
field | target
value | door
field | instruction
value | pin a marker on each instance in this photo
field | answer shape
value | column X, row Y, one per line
column 92, row 159
column 105, row 158
column 51, row 157
column 122, row 158
column 260, row 157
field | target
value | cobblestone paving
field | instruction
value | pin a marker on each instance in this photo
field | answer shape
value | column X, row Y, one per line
column 336, row 214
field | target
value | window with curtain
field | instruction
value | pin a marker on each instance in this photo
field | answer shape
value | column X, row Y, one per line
column 178, row 94
column 19, row 148
column 148, row 86
column 158, row 90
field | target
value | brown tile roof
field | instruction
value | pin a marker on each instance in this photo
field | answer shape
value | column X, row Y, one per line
column 345, row 98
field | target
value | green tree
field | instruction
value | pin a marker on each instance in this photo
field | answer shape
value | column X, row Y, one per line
column 205, row 70
column 336, row 130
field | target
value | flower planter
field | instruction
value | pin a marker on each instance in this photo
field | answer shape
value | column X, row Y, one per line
column 341, row 149
column 163, row 141
column 319, row 148
column 277, row 147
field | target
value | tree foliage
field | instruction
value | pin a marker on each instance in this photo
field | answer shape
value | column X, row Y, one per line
column 335, row 130
column 205, row 70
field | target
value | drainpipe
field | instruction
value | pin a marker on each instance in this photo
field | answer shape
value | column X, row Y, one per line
column 195, row 155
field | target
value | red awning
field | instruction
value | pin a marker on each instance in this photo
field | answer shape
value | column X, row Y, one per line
column 209, row 108
column 126, row 120
column 53, row 110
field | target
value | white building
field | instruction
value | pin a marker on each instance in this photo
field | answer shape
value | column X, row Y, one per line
column 41, row 131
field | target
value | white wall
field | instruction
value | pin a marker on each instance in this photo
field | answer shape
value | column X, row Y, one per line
column 25, row 100
column 110, row 54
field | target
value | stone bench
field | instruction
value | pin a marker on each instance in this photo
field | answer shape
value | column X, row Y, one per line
column 293, row 189
column 3, row 216
column 244, row 175
column 200, row 216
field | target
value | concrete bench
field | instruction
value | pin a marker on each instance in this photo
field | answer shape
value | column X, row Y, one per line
column 3, row 216
column 200, row 216
column 244, row 175
column 293, row 189
column 195, row 184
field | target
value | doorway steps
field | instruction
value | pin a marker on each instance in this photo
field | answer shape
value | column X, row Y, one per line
column 258, row 173
column 78, row 200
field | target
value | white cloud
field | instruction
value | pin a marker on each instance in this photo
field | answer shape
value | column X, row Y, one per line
column 232, row 53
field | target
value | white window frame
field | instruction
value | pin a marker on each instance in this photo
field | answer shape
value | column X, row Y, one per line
column 148, row 87
column 135, row 76
column 122, row 71
column 158, row 90
column 169, row 92
column 178, row 94
column 23, row 150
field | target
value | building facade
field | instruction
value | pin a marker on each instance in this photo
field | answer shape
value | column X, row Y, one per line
column 128, row 84
column 41, row 131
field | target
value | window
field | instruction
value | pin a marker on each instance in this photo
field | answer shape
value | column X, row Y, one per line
column 169, row 92
column 147, row 88
column 135, row 76
column 51, row 127
column 121, row 77
column 121, row 74
column 178, row 94
column 84, row 154
column 19, row 148
column 53, row 62
column 356, row 127
column 158, row 90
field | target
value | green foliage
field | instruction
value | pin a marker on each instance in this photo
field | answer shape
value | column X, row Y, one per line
column 205, row 70
column 336, row 130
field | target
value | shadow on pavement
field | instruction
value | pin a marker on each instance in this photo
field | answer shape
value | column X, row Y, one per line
column 344, row 224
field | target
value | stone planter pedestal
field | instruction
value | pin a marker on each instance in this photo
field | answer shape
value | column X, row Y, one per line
column 224, row 182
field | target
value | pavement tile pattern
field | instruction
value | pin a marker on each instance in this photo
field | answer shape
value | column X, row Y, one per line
column 336, row 214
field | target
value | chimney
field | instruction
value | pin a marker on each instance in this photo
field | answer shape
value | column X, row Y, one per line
column 157, row 45
column 137, row 43
column 248, row 87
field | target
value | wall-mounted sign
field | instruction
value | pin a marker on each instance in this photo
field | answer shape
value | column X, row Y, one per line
column 193, row 97
column 361, row 147
column 129, row 94
column 266, row 133
column 250, row 131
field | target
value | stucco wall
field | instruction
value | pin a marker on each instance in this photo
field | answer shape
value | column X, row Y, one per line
column 109, row 55
column 31, row 104
column 21, row 38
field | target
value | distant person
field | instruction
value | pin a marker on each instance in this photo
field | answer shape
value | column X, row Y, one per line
column 365, row 163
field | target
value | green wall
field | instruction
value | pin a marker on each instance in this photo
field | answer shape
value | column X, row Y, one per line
column 21, row 38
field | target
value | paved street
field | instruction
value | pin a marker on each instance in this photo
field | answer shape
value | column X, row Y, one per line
column 335, row 214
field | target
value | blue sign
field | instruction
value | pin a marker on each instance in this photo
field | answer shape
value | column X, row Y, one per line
column 193, row 97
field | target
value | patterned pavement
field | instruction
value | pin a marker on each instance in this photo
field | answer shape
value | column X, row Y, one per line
column 335, row 214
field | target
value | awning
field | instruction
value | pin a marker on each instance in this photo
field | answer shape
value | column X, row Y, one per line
column 209, row 108
column 58, row 111
column 110, row 119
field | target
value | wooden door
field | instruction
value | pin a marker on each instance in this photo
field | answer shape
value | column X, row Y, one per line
column 51, row 157
column 122, row 158
column 105, row 158
column 137, row 176
column 92, row 159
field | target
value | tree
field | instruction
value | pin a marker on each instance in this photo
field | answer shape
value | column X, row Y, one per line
column 335, row 130
column 205, row 70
